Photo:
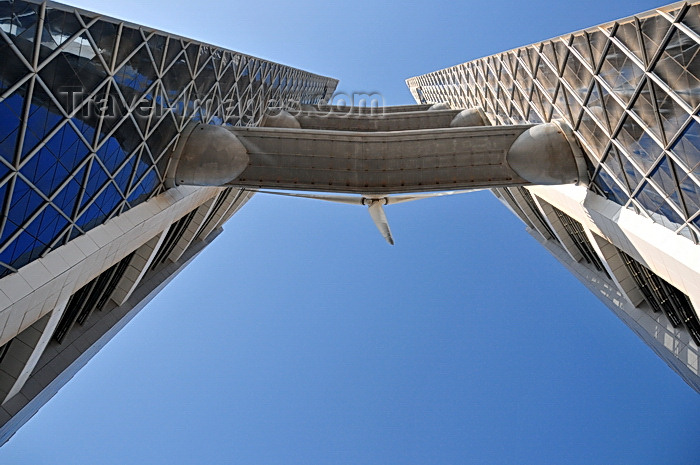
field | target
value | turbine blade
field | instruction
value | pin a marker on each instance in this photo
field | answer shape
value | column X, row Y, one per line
column 409, row 197
column 329, row 198
column 379, row 217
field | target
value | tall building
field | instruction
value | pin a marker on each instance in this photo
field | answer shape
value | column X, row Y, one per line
column 91, row 109
column 630, row 91
column 124, row 150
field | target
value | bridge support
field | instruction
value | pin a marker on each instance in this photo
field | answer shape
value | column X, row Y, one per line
column 378, row 153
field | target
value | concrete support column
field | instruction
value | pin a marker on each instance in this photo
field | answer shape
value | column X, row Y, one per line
column 138, row 266
column 232, row 197
column 37, row 289
column 366, row 157
column 192, row 229
column 530, row 214
column 26, row 349
column 557, row 227
column 613, row 262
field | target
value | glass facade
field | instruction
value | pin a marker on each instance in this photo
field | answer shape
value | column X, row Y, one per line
column 630, row 89
column 90, row 108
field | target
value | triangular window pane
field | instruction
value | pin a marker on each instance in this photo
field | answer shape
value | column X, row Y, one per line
column 691, row 194
column 613, row 165
column 123, row 178
column 13, row 69
column 24, row 203
column 547, row 77
column 597, row 40
column 610, row 189
column 10, row 109
column 176, row 79
column 574, row 106
column 654, row 29
column 104, row 34
column 135, row 77
column 643, row 106
column 665, row 180
column 45, row 172
column 59, row 26
column 174, row 47
column 692, row 18
column 613, row 110
column 577, row 76
column 68, row 147
column 156, row 44
column 72, row 78
column 620, row 73
column 19, row 23
column 96, row 180
column 129, row 40
column 112, row 111
column 679, row 67
column 638, row 144
column 687, row 148
column 673, row 117
column 580, row 44
column 163, row 135
column 548, row 52
column 67, row 197
column 46, row 225
column 655, row 205
column 192, row 52
column 627, row 34
column 44, row 116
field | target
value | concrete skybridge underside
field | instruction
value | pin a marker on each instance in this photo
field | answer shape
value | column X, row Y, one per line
column 384, row 151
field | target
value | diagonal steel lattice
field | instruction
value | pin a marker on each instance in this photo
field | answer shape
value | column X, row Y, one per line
column 629, row 88
column 90, row 107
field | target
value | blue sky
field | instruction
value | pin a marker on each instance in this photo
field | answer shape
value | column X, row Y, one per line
column 300, row 337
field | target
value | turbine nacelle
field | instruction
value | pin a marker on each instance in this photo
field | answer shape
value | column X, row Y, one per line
column 375, row 204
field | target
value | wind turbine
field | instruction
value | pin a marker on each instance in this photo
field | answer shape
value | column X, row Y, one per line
column 375, row 204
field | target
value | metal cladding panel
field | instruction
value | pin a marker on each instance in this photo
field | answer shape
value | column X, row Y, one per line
column 90, row 107
column 630, row 89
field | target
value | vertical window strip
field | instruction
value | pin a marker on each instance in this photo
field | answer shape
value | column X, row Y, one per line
column 73, row 308
column 533, row 206
column 172, row 237
column 663, row 297
column 4, row 349
column 575, row 230
column 93, row 296
column 215, row 209
column 105, row 287
column 112, row 285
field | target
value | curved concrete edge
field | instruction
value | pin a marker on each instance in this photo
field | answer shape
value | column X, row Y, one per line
column 577, row 151
column 206, row 155
column 175, row 156
column 469, row 118
column 439, row 106
column 544, row 155
column 280, row 119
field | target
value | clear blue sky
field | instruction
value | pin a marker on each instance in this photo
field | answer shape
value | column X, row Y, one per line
column 300, row 337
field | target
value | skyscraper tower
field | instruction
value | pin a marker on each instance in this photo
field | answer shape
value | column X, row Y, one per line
column 630, row 91
column 124, row 150
column 91, row 109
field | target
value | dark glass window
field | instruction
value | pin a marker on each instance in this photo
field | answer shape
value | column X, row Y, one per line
column 90, row 298
column 536, row 211
column 575, row 231
column 663, row 297
column 172, row 237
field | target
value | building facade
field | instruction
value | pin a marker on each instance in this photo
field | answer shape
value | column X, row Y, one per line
column 630, row 91
column 90, row 110
column 104, row 202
